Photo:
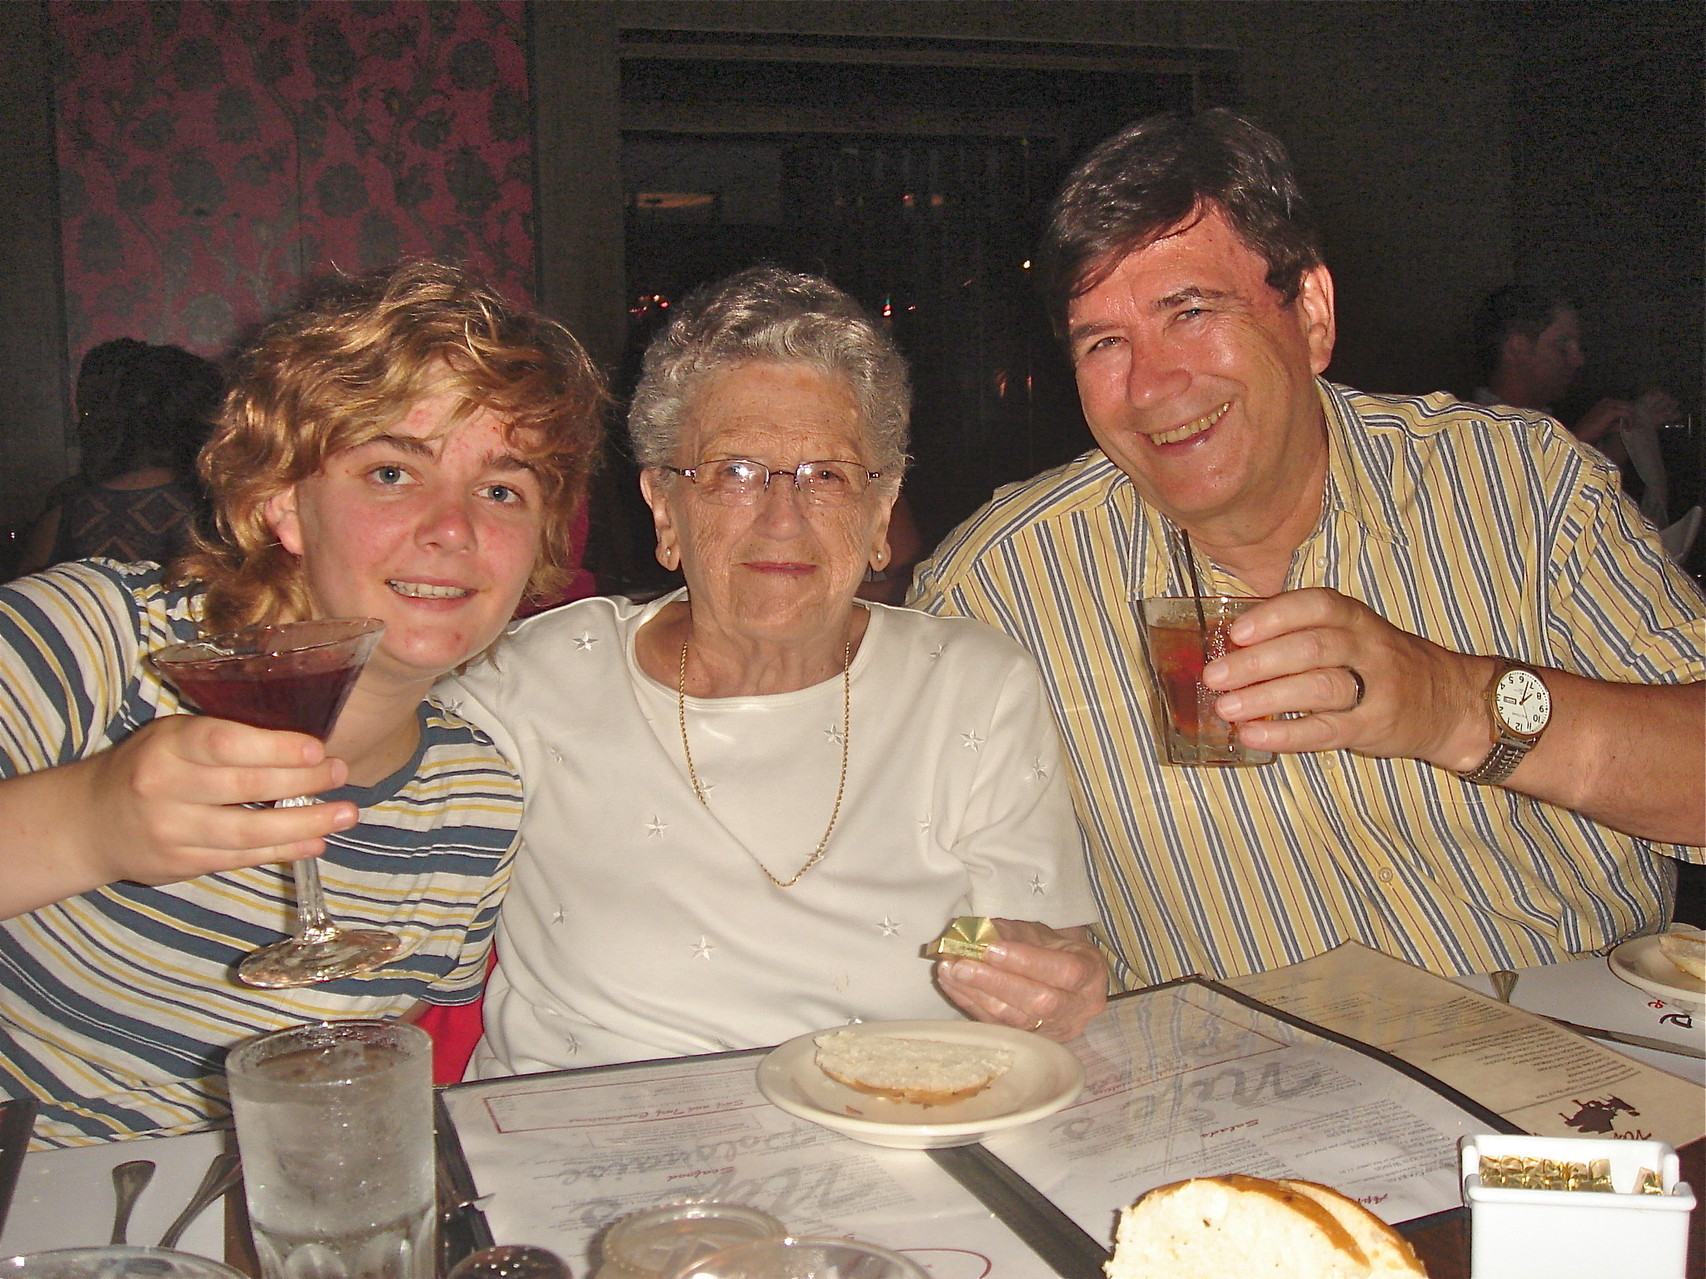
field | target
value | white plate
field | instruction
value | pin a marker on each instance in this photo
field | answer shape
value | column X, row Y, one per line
column 1043, row 1078
column 1640, row 962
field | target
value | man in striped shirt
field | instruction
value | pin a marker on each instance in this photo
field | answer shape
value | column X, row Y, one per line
column 1420, row 553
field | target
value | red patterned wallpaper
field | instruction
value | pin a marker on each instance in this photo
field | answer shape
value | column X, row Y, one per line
column 214, row 156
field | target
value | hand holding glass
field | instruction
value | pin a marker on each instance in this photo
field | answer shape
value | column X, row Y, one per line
column 295, row 676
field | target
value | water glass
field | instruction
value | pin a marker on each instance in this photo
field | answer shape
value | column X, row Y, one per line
column 1183, row 634
column 334, row 1125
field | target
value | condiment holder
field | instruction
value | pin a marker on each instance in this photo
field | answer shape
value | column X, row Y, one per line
column 1578, row 1234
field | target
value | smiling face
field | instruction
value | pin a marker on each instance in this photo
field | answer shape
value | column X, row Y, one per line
column 782, row 569
column 1197, row 380
column 431, row 527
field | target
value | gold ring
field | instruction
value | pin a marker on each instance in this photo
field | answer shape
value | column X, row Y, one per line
column 1039, row 1025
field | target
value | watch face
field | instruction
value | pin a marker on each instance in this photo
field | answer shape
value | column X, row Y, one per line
column 1523, row 702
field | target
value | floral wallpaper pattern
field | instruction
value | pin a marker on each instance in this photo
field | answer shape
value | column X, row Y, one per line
column 216, row 156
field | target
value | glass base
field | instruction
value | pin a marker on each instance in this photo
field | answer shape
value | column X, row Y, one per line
column 303, row 961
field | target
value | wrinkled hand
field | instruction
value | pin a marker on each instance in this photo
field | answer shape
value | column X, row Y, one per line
column 1035, row 978
column 1295, row 657
column 165, row 804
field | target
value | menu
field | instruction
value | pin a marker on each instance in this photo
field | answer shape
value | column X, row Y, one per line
column 1184, row 1079
column 1548, row 1080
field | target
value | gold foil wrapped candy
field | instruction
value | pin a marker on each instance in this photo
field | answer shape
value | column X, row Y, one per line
column 964, row 938
column 1519, row 1172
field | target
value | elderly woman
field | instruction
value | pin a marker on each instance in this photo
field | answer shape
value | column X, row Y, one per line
column 410, row 448
column 751, row 803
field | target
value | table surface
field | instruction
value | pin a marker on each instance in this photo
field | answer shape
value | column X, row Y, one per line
column 64, row 1197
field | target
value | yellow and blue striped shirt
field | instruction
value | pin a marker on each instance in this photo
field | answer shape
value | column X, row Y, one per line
column 1487, row 531
column 117, row 1006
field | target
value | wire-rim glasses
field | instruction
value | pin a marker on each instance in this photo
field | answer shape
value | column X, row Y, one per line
column 737, row 481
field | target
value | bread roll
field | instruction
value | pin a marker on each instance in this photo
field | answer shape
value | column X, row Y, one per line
column 1238, row 1227
column 1389, row 1255
column 926, row 1072
column 1687, row 950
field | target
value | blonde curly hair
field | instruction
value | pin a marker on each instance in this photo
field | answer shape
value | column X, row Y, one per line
column 346, row 367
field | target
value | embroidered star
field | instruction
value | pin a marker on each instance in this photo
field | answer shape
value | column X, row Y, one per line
column 924, row 824
column 1039, row 770
column 1038, row 887
column 585, row 641
column 555, row 754
column 656, row 827
column 557, row 916
column 453, row 705
column 937, row 651
column 889, row 927
column 704, row 949
column 972, row 741
column 834, row 734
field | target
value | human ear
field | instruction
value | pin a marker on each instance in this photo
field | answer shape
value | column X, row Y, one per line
column 879, row 556
column 284, row 518
column 1315, row 301
column 669, row 543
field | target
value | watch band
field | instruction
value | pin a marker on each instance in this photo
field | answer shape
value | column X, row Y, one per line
column 1500, row 763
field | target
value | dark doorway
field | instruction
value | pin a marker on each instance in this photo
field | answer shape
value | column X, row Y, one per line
column 918, row 188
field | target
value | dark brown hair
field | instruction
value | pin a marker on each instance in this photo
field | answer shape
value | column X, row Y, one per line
column 341, row 371
column 1161, row 174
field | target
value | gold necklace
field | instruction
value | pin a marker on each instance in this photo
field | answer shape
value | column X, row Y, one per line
column 840, row 785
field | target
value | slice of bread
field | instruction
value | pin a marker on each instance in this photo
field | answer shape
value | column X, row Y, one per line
column 1687, row 950
column 1389, row 1255
column 1237, row 1227
column 925, row 1072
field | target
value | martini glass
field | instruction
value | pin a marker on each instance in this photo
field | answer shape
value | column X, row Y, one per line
column 294, row 676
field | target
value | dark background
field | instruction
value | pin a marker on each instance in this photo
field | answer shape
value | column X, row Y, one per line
column 180, row 170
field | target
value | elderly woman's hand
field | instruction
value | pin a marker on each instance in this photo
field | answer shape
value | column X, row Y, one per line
column 1036, row 978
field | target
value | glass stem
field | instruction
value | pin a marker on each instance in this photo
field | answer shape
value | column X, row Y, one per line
column 312, row 921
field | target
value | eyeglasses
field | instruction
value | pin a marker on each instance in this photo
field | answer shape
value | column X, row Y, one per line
column 737, row 481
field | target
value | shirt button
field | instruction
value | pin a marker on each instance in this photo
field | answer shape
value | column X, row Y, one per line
column 1384, row 874
column 1329, row 762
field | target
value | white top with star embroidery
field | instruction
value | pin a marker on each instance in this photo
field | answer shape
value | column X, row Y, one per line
column 674, row 942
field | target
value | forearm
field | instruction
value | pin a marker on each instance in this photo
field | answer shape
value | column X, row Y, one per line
column 44, row 853
column 1630, row 756
column 173, row 801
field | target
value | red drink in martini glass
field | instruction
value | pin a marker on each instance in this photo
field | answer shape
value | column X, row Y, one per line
column 294, row 676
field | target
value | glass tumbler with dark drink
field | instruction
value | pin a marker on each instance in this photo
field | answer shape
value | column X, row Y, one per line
column 1182, row 635
column 294, row 676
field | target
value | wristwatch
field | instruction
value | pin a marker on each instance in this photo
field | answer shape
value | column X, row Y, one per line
column 1520, row 707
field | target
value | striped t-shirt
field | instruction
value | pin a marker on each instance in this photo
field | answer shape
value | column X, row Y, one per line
column 1488, row 531
column 117, row 1006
